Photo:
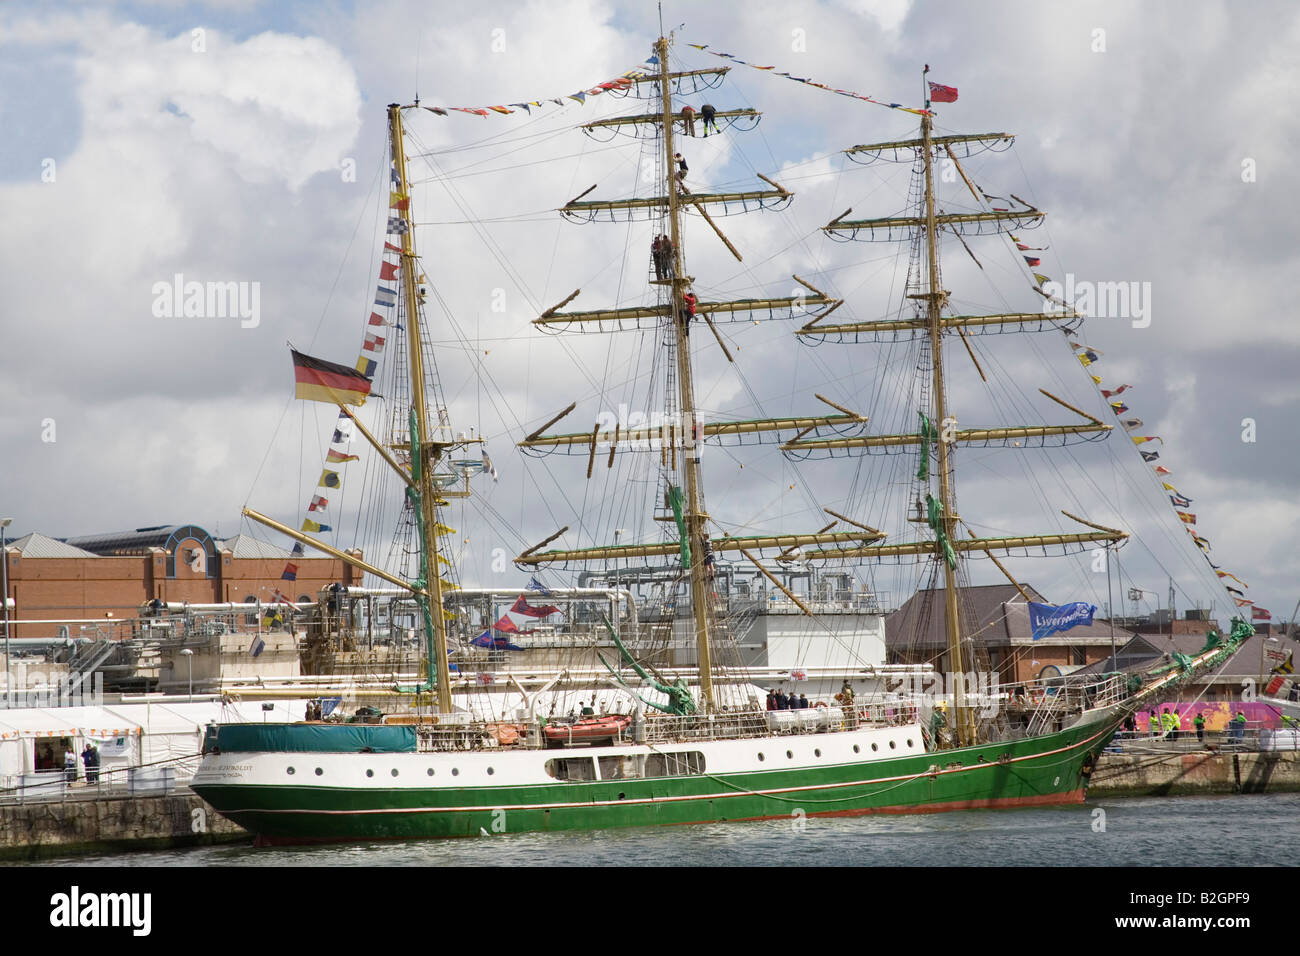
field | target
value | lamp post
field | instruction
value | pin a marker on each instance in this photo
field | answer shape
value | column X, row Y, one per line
column 189, row 666
column 4, row 599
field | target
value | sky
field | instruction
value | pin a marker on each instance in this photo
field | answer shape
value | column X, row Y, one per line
column 245, row 142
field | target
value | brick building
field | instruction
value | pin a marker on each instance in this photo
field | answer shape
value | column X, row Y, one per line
column 113, row 575
column 996, row 617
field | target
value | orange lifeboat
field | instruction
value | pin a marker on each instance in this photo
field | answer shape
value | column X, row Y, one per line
column 587, row 729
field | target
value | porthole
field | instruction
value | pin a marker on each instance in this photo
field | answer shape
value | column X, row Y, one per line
column 319, row 771
column 429, row 771
column 875, row 747
column 455, row 772
column 909, row 742
column 491, row 771
column 760, row 756
column 370, row 773
column 892, row 745
column 817, row 753
column 289, row 771
column 622, row 796
column 394, row 771
column 789, row 754
column 857, row 749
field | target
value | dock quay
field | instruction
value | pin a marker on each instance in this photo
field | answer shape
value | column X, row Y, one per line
column 92, row 821
column 1160, row 767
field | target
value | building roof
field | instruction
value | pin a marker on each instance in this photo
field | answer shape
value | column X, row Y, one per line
column 1146, row 650
column 246, row 546
column 37, row 545
column 996, row 614
column 138, row 541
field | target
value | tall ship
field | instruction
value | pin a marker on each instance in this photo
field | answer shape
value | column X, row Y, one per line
column 679, row 721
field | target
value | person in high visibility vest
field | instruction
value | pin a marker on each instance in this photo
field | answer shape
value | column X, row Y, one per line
column 1238, row 726
column 1199, row 723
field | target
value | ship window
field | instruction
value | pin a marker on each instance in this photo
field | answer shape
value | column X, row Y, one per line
column 817, row 753
column 319, row 771
column 875, row 747
column 619, row 767
column 892, row 745
column 571, row 768
column 370, row 773
column 909, row 742
column 455, row 772
column 857, row 749
column 394, row 771
column 430, row 771
column 789, row 754
column 760, row 756
column 490, row 771
column 289, row 771
column 680, row 764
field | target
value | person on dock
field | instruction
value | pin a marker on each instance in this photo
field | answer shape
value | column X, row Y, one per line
column 70, row 766
column 90, row 757
column 1237, row 727
column 1153, row 723
column 709, row 115
column 1199, row 723
column 1175, row 723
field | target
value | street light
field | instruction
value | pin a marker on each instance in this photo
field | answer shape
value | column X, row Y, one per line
column 4, row 599
column 189, row 666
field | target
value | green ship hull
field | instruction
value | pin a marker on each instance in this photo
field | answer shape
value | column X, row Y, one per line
column 1043, row 770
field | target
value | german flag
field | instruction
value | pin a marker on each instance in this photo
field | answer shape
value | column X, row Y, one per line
column 321, row 381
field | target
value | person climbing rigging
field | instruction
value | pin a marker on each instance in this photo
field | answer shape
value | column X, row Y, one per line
column 708, row 114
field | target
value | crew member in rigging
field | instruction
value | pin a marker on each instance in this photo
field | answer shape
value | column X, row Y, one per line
column 707, row 113
column 688, row 120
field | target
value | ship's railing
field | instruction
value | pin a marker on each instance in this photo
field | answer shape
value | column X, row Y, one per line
column 663, row 728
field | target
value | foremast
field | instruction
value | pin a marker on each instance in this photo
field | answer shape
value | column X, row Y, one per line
column 424, row 451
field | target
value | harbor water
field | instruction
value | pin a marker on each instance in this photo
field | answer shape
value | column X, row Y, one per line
column 1240, row 830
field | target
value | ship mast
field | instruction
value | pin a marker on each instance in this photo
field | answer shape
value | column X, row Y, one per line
column 693, row 514
column 935, row 296
column 425, row 452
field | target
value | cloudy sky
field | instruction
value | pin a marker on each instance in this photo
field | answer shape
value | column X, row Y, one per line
column 245, row 142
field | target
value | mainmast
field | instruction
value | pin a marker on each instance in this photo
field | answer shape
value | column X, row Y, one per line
column 693, row 514
column 425, row 452
column 964, row 725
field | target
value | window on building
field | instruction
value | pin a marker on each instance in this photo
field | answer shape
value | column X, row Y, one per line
column 1078, row 655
